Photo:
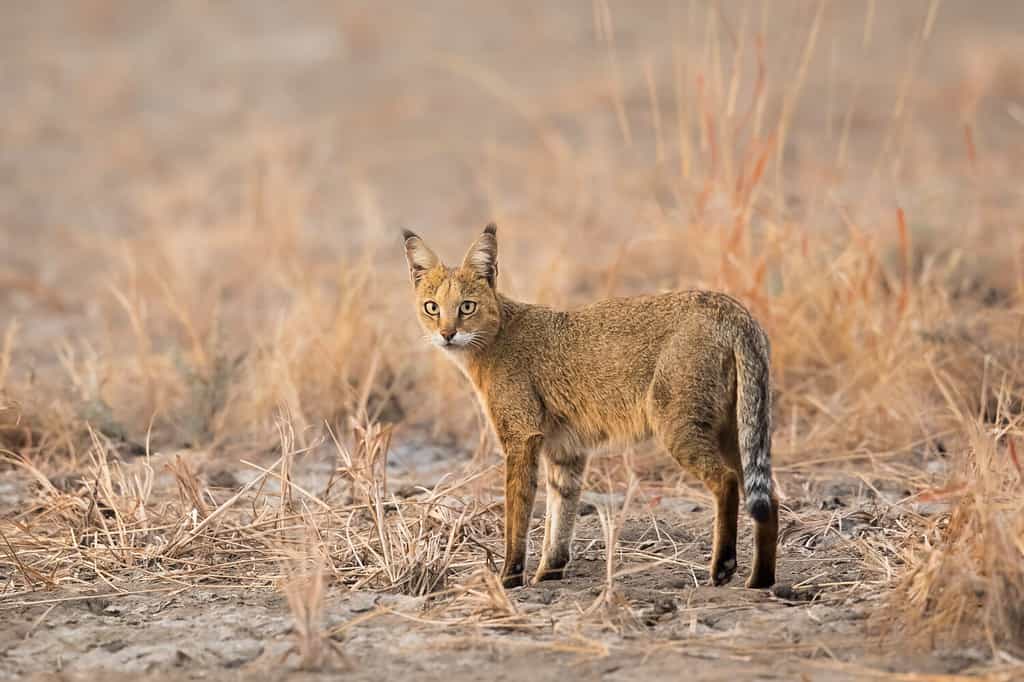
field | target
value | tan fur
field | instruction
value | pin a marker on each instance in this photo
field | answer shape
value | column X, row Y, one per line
column 689, row 368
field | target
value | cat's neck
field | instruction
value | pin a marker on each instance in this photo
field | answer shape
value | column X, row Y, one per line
column 509, row 310
column 473, row 360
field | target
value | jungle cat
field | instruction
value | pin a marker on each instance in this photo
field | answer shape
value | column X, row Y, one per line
column 688, row 368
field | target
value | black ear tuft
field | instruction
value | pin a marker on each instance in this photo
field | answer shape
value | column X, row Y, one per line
column 408, row 234
column 482, row 257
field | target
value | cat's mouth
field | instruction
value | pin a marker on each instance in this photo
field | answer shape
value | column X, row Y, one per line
column 458, row 341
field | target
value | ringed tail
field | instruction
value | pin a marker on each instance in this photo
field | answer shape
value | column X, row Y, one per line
column 753, row 420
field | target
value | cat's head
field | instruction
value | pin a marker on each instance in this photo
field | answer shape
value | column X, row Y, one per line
column 457, row 307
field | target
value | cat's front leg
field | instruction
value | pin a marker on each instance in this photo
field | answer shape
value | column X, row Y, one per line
column 520, row 489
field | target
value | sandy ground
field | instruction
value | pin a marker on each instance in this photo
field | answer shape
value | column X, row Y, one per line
column 716, row 633
column 822, row 621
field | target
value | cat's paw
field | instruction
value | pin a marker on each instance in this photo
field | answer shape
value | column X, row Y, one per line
column 548, row 573
column 513, row 576
column 722, row 571
column 510, row 581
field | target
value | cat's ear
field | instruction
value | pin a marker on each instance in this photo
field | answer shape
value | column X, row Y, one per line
column 482, row 257
column 418, row 254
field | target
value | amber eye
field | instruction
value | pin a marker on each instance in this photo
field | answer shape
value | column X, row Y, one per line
column 431, row 308
column 467, row 307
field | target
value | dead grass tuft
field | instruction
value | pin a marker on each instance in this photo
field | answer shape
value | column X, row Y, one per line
column 966, row 578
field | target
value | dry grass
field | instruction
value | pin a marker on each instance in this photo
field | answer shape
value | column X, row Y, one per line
column 240, row 335
column 968, row 578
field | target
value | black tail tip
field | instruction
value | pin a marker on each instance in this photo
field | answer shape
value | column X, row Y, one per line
column 760, row 509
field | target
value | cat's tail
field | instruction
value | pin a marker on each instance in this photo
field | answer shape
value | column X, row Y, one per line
column 753, row 419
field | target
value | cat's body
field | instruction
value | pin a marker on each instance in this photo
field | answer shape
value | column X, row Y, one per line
column 688, row 368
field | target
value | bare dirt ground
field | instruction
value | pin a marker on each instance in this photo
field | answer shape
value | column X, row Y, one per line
column 663, row 618
column 185, row 187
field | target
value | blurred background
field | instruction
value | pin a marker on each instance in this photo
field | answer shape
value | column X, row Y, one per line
column 203, row 193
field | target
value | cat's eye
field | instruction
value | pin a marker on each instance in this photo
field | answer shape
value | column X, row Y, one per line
column 431, row 308
column 467, row 307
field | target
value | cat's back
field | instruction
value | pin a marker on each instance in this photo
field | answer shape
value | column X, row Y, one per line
column 614, row 336
column 655, row 315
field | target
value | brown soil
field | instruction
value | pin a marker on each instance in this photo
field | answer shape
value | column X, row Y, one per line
column 821, row 621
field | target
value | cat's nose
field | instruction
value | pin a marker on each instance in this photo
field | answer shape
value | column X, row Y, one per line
column 448, row 336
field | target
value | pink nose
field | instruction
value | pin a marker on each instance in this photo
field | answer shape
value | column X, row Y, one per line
column 448, row 336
